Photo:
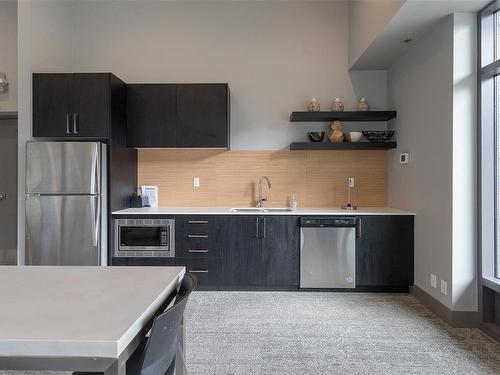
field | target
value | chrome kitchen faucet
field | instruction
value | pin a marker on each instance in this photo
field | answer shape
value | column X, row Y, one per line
column 261, row 200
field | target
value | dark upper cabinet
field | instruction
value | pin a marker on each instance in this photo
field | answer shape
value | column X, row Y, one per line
column 52, row 107
column 91, row 104
column 178, row 115
column 384, row 251
column 151, row 115
column 202, row 115
column 261, row 251
column 73, row 105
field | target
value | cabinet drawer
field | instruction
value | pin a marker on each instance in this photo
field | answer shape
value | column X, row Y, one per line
column 198, row 237
column 208, row 271
column 198, row 250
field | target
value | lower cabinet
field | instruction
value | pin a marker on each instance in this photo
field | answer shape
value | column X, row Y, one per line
column 261, row 251
column 199, row 248
column 208, row 271
column 384, row 251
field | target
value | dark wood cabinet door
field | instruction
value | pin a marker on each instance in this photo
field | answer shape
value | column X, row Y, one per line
column 280, row 235
column 91, row 107
column 384, row 252
column 243, row 252
column 151, row 115
column 52, row 96
column 202, row 115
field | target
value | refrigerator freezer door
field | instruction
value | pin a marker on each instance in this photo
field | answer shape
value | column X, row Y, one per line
column 63, row 230
column 63, row 167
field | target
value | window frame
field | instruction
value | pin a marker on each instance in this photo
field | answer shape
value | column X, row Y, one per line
column 488, row 75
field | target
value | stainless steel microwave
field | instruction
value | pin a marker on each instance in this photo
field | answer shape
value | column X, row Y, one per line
column 144, row 238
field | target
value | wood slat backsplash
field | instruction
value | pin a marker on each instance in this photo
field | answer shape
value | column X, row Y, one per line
column 229, row 178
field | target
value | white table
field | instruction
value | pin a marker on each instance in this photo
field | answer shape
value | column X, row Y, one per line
column 79, row 318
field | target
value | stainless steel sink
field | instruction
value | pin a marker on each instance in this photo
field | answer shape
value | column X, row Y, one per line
column 257, row 209
column 278, row 210
column 247, row 209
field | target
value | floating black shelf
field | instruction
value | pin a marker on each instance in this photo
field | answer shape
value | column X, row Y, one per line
column 342, row 116
column 343, row 146
column 8, row 115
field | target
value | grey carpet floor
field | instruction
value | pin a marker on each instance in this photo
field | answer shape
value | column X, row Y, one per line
column 326, row 333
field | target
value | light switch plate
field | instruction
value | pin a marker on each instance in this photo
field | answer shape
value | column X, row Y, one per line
column 433, row 281
column 444, row 287
column 196, row 182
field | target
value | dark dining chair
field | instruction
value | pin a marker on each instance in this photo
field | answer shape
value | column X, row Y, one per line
column 156, row 355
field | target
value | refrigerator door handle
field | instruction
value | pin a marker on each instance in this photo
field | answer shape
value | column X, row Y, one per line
column 95, row 178
column 96, row 217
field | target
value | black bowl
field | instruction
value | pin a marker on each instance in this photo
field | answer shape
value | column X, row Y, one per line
column 378, row 135
column 316, row 136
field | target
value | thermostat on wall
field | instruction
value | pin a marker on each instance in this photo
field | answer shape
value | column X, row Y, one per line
column 404, row 158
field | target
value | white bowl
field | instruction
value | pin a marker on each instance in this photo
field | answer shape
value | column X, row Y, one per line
column 353, row 136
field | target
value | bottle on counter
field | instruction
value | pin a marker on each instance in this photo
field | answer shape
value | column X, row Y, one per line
column 293, row 203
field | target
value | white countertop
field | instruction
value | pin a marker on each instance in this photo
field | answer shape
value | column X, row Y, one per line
column 226, row 211
column 78, row 311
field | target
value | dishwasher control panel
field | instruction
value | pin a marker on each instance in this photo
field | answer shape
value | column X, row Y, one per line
column 336, row 222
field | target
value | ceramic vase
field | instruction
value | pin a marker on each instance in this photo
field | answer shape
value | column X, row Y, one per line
column 336, row 134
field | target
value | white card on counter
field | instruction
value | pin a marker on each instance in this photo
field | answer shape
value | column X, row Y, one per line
column 152, row 193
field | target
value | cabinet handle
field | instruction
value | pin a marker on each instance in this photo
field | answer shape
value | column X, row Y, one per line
column 67, row 123
column 257, row 227
column 197, row 235
column 198, row 222
column 75, row 123
column 198, row 271
column 198, row 251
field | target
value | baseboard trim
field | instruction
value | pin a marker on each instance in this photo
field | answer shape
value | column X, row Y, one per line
column 457, row 319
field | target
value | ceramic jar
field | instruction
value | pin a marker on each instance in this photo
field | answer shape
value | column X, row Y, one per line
column 362, row 105
column 337, row 105
column 313, row 105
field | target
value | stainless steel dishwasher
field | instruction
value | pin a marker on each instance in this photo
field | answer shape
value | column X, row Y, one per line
column 328, row 252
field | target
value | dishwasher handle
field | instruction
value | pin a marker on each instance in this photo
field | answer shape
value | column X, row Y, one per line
column 358, row 227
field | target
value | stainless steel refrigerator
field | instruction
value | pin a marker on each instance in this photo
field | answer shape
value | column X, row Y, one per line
column 66, row 218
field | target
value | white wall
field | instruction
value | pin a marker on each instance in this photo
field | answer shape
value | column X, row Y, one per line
column 367, row 19
column 464, row 162
column 8, row 53
column 274, row 55
column 44, row 45
column 433, row 87
column 421, row 89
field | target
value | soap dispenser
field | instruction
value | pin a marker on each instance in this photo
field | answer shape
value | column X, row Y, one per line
column 293, row 203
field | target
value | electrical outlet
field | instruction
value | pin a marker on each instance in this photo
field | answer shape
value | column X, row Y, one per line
column 196, row 182
column 404, row 158
column 444, row 287
column 433, row 281
column 350, row 182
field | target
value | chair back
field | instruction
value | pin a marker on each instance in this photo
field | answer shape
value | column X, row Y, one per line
column 161, row 346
